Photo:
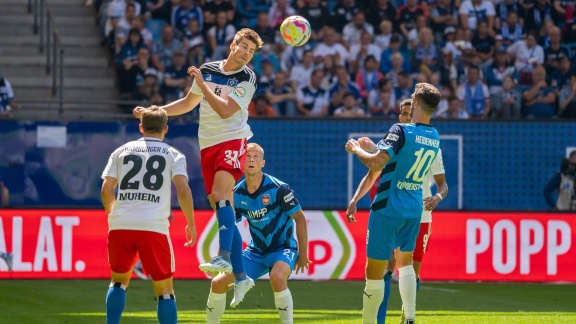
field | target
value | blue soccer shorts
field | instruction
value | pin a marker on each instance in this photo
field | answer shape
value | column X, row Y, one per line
column 387, row 233
column 257, row 265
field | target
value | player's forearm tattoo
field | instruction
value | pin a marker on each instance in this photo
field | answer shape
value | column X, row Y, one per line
column 373, row 161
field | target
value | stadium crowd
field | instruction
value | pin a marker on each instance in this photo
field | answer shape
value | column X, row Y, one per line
column 490, row 59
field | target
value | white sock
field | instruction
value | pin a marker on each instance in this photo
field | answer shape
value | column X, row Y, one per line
column 407, row 285
column 215, row 307
column 284, row 306
column 373, row 296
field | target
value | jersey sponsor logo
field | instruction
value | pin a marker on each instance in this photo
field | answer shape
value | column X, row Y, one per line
column 266, row 199
column 408, row 185
column 257, row 214
column 232, row 83
column 289, row 197
column 392, row 137
column 239, row 92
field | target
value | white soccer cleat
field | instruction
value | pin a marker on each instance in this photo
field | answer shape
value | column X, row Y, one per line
column 240, row 290
column 8, row 259
column 215, row 266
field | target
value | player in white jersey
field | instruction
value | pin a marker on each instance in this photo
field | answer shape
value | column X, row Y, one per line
column 224, row 90
column 138, row 214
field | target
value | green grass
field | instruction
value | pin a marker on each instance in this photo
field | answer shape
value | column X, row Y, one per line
column 82, row 301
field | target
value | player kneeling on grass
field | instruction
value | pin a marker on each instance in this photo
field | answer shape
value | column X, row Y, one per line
column 138, row 215
column 269, row 205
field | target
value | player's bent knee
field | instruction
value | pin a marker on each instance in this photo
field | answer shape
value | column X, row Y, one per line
column 221, row 283
column 278, row 281
column 123, row 278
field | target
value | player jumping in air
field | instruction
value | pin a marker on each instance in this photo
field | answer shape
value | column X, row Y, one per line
column 223, row 89
column 403, row 159
column 430, row 201
column 269, row 205
column 138, row 215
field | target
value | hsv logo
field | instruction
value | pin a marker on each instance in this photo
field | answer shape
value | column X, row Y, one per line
column 266, row 199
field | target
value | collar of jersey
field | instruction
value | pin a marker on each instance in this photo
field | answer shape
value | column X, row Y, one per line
column 221, row 67
column 153, row 139
column 258, row 191
column 420, row 124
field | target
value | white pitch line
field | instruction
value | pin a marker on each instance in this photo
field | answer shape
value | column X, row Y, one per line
column 439, row 289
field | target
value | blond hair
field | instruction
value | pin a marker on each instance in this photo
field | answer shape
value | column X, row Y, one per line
column 257, row 147
column 250, row 35
column 154, row 120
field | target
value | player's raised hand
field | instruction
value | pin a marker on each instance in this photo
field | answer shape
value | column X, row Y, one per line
column 366, row 144
column 196, row 74
column 302, row 263
column 351, row 146
column 351, row 211
column 138, row 111
column 190, row 236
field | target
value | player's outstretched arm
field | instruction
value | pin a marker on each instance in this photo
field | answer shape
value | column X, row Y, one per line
column 107, row 193
column 365, row 184
column 187, row 205
column 223, row 107
column 441, row 192
column 178, row 107
column 373, row 161
column 302, row 235
column 367, row 145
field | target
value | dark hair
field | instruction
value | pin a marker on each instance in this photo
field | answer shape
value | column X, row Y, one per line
column 473, row 67
column 348, row 94
column 369, row 57
column 428, row 96
column 405, row 102
column 153, row 119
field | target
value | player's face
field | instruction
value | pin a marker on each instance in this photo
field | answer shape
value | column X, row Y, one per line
column 243, row 52
column 254, row 162
column 405, row 114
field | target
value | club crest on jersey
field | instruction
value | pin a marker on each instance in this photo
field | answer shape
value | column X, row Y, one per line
column 208, row 77
column 240, row 92
column 232, row 83
column 265, row 199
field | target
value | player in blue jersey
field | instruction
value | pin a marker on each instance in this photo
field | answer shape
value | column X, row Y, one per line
column 403, row 159
column 269, row 205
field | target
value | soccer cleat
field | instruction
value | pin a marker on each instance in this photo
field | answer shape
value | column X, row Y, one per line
column 216, row 266
column 409, row 321
column 240, row 289
column 8, row 259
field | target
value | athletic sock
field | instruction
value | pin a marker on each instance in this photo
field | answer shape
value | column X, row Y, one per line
column 215, row 307
column 115, row 301
column 284, row 306
column 381, row 318
column 407, row 284
column 373, row 295
column 167, row 313
column 225, row 215
column 236, row 258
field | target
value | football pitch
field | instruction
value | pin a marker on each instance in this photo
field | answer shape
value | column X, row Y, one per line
column 83, row 301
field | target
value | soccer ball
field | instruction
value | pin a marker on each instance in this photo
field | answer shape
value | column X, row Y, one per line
column 295, row 30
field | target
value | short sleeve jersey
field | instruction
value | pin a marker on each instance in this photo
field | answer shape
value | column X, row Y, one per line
column 412, row 149
column 237, row 85
column 268, row 211
column 144, row 169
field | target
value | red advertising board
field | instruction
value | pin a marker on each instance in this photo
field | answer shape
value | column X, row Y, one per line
column 528, row 247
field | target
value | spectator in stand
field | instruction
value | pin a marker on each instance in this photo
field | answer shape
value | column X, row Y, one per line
column 455, row 110
column 375, row 104
column 164, row 49
column 444, row 14
column 196, row 55
column 474, row 94
column 300, row 74
column 559, row 78
column 187, row 10
column 265, row 54
column 193, row 36
column 260, row 107
column 384, row 107
column 131, row 73
column 569, row 28
column 219, row 37
column 567, row 99
column 511, row 30
column 414, row 34
column 212, row 8
column 368, row 77
column 149, row 86
column 292, row 56
column 175, row 77
column 117, row 8
column 265, row 78
column 7, row 103
column 426, row 57
column 383, row 38
column 507, row 100
column 526, row 54
column 447, row 72
column 540, row 98
column 160, row 9
column 359, row 52
column 559, row 9
column 342, row 86
column 343, row 13
column 279, row 11
column 484, row 44
column 473, row 11
column 406, row 17
column 349, row 107
column 330, row 46
column 329, row 67
column 140, row 24
column 380, row 11
column 405, row 87
column 354, row 29
column 312, row 100
column 499, row 70
column 503, row 10
column 318, row 16
column 554, row 53
column 386, row 56
column 113, row 39
column 127, row 21
column 130, row 49
column 281, row 96
column 267, row 33
column 537, row 15
column 564, row 183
